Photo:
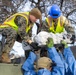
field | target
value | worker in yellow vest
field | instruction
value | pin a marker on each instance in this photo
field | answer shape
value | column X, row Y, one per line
column 17, row 26
column 56, row 23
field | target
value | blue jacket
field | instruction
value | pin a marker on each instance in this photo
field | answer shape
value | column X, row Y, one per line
column 54, row 56
column 64, row 62
column 28, row 66
column 70, row 60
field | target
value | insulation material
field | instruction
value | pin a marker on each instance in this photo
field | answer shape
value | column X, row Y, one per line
column 42, row 37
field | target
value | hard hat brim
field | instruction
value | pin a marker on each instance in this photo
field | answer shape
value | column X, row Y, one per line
column 55, row 16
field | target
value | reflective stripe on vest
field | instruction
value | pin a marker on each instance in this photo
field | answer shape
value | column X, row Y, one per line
column 10, row 20
column 59, row 27
column 4, row 26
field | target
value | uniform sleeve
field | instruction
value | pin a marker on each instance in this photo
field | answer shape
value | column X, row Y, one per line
column 28, row 66
column 44, row 26
column 70, row 60
column 54, row 56
column 10, row 35
column 21, row 23
column 68, row 27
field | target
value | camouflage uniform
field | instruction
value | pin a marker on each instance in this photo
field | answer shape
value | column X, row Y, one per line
column 11, row 35
column 18, row 26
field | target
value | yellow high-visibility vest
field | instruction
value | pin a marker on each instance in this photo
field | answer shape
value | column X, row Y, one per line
column 10, row 21
column 59, row 27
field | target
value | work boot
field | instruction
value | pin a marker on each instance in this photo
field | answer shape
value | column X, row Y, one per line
column 50, row 43
column 5, row 58
column 64, row 43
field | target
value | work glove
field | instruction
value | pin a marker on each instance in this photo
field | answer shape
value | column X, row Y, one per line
column 30, row 46
column 35, row 46
column 50, row 43
column 64, row 43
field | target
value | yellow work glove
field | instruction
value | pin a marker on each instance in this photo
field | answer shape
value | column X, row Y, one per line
column 64, row 43
column 50, row 43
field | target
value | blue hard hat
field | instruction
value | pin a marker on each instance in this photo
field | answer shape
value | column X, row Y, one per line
column 55, row 11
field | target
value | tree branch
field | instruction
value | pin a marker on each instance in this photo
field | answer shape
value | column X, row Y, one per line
column 71, row 12
column 61, row 4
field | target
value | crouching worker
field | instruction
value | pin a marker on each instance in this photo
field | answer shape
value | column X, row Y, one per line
column 51, row 65
column 17, row 25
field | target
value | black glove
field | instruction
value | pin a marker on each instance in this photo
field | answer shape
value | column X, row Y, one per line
column 34, row 46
